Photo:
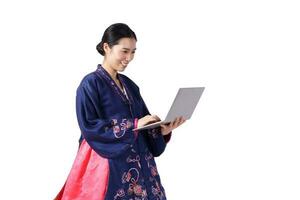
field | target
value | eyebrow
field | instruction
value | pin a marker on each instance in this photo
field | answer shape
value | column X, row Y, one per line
column 129, row 49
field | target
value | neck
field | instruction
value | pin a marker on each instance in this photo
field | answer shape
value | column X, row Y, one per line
column 110, row 70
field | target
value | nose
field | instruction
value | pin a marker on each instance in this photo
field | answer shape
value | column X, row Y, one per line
column 129, row 58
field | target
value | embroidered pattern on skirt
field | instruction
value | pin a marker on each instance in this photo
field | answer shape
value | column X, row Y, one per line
column 157, row 191
column 130, row 179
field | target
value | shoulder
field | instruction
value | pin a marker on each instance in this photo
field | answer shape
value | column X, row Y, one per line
column 91, row 81
column 89, row 78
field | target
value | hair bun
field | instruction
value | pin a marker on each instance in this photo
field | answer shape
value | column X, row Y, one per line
column 100, row 49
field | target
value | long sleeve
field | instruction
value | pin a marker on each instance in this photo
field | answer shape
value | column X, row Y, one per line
column 108, row 137
column 156, row 141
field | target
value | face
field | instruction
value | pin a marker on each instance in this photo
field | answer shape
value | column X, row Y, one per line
column 120, row 55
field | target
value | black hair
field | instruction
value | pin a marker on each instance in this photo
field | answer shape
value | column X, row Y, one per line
column 113, row 34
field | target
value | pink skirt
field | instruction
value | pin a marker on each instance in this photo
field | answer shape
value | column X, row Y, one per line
column 88, row 178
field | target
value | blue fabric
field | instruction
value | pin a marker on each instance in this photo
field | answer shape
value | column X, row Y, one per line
column 106, row 119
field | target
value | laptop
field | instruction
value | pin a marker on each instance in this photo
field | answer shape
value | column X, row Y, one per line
column 183, row 105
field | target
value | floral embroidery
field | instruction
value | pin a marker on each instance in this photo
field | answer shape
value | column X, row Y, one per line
column 137, row 190
column 119, row 130
column 116, row 130
column 156, row 189
column 132, row 189
column 131, row 177
column 152, row 168
column 135, row 175
column 114, row 122
column 136, row 159
column 126, row 124
column 154, row 132
column 120, row 193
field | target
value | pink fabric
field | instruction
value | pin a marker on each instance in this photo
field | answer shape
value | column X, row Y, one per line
column 88, row 178
column 135, row 126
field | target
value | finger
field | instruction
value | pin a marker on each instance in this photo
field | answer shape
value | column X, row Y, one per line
column 151, row 120
column 164, row 126
column 173, row 122
column 173, row 125
column 182, row 120
column 177, row 122
column 156, row 118
column 148, row 116
column 180, row 123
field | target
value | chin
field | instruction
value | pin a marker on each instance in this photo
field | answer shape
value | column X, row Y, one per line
column 122, row 68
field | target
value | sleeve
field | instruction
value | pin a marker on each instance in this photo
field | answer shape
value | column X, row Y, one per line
column 156, row 141
column 108, row 137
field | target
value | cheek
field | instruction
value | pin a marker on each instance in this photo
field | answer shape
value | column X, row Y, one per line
column 121, row 56
column 116, row 57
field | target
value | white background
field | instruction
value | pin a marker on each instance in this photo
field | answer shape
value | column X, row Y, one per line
column 243, row 139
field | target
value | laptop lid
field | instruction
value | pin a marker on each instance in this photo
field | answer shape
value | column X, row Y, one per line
column 183, row 105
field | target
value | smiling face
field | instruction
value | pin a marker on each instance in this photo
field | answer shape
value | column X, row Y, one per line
column 120, row 55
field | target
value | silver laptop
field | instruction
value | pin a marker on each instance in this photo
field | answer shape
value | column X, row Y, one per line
column 183, row 105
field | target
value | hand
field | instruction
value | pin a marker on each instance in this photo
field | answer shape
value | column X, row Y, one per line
column 147, row 119
column 167, row 128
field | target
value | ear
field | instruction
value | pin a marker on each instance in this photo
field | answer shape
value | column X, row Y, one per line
column 106, row 48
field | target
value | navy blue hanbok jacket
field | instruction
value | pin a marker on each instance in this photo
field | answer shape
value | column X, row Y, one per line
column 113, row 161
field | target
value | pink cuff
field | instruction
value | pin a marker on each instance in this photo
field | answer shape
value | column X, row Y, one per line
column 135, row 126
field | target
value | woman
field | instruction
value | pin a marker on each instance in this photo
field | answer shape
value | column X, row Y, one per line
column 113, row 161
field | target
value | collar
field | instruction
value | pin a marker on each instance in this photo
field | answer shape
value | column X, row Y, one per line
column 103, row 73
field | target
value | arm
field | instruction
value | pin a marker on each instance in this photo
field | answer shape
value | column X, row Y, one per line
column 156, row 141
column 108, row 137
